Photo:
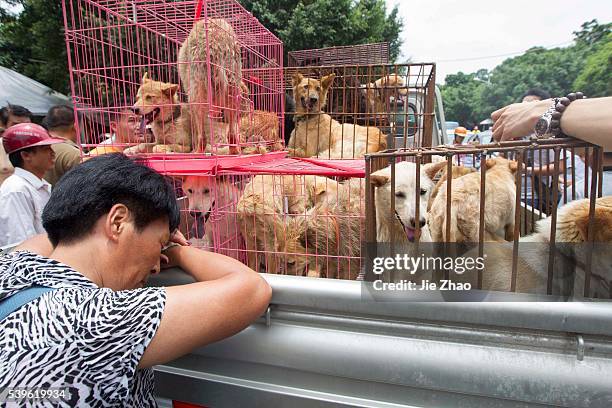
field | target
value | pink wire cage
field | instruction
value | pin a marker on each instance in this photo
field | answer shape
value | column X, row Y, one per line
column 115, row 46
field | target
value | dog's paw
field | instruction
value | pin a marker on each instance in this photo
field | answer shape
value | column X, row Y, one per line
column 162, row 149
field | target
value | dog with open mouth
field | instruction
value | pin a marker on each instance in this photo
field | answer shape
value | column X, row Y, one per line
column 400, row 226
column 212, row 202
column 157, row 103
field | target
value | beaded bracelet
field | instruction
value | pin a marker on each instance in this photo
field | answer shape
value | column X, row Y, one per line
column 560, row 107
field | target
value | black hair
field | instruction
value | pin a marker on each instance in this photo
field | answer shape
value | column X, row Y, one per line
column 540, row 93
column 58, row 117
column 15, row 110
column 16, row 159
column 89, row 190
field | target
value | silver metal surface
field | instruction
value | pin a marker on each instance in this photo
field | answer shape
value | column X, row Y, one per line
column 328, row 346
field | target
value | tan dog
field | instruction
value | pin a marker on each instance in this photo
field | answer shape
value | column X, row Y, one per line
column 266, row 207
column 379, row 92
column 335, row 230
column 158, row 103
column 465, row 205
column 457, row 171
column 212, row 40
column 215, row 199
column 572, row 248
column 317, row 134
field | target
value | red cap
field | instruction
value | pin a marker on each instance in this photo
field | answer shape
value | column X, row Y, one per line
column 26, row 135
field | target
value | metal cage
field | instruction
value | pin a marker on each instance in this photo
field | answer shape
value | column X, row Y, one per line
column 549, row 185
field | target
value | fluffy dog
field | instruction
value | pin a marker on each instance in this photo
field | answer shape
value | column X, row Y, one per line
column 266, row 208
column 500, row 192
column 571, row 253
column 216, row 40
column 158, row 103
column 215, row 198
column 457, row 171
column 317, row 134
column 400, row 226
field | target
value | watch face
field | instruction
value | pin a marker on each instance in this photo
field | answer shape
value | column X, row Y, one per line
column 541, row 127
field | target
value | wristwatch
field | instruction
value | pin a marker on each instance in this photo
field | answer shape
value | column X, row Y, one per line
column 543, row 126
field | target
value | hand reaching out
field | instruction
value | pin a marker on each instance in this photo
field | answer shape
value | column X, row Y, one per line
column 517, row 120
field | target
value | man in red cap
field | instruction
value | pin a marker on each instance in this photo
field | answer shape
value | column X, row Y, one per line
column 24, row 194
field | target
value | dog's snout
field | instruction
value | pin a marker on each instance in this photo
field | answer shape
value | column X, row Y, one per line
column 136, row 110
column 421, row 222
column 314, row 99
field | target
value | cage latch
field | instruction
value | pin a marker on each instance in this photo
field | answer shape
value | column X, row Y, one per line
column 268, row 316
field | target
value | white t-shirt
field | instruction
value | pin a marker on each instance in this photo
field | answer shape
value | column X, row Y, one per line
column 23, row 197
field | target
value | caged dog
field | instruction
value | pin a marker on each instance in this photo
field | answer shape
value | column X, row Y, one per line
column 159, row 106
column 401, row 225
column 268, row 213
column 318, row 134
column 335, row 228
column 571, row 248
column 212, row 200
column 500, row 196
column 214, row 40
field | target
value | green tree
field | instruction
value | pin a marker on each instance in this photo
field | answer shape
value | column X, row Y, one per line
column 307, row 24
column 32, row 42
column 583, row 66
column 596, row 77
column 460, row 95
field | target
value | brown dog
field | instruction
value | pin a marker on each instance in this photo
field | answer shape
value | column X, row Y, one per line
column 317, row 134
column 158, row 103
column 214, row 41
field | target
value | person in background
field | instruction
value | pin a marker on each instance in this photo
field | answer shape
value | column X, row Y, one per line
column 60, row 124
column 126, row 130
column 24, row 194
column 10, row 115
column 6, row 168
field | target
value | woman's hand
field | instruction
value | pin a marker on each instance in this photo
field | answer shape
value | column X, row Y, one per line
column 517, row 120
column 170, row 255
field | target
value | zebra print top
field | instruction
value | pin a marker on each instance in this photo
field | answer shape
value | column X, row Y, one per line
column 79, row 336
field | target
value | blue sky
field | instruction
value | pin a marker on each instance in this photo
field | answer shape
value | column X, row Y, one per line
column 457, row 35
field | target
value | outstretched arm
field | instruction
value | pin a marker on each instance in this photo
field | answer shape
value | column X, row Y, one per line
column 586, row 119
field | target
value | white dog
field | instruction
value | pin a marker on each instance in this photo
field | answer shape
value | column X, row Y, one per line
column 403, row 223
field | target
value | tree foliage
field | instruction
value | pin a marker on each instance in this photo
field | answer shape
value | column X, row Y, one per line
column 469, row 98
column 307, row 24
column 32, row 43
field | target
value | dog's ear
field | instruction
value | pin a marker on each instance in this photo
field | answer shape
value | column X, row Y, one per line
column 431, row 169
column 513, row 166
column 296, row 79
column 244, row 89
column 170, row 89
column 602, row 223
column 490, row 163
column 145, row 77
column 327, row 80
column 379, row 179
